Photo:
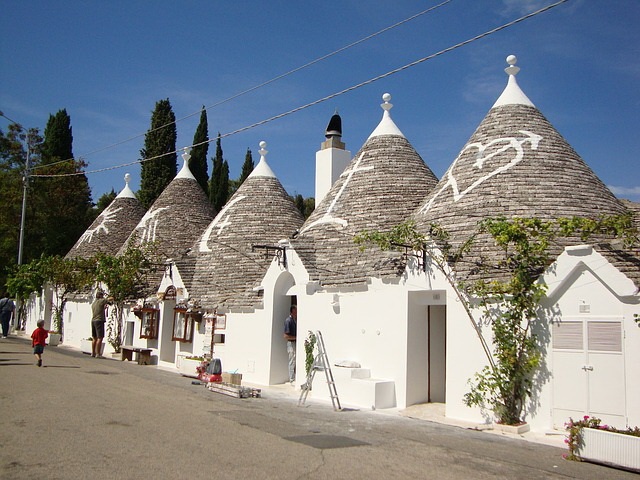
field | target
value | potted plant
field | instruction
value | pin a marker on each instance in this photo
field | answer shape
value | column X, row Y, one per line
column 589, row 440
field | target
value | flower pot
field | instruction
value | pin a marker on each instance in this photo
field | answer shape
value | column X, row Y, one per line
column 187, row 366
column 610, row 448
column 54, row 339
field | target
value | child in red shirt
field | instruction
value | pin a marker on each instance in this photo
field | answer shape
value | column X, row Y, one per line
column 38, row 337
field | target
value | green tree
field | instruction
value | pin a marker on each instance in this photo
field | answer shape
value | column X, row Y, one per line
column 219, row 185
column 22, row 281
column 12, row 158
column 198, row 163
column 158, row 156
column 126, row 278
column 305, row 205
column 13, row 163
column 247, row 167
column 299, row 201
column 60, row 191
column 309, row 207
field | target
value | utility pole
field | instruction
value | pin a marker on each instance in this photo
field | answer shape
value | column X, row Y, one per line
column 25, row 186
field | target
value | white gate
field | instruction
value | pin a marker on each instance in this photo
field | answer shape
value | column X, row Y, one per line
column 588, row 371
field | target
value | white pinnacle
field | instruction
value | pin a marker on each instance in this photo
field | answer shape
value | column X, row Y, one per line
column 262, row 169
column 185, row 172
column 386, row 125
column 126, row 192
column 512, row 95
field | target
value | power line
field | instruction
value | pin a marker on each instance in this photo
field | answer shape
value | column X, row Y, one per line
column 341, row 92
column 268, row 82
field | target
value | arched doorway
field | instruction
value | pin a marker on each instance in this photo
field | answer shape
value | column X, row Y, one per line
column 283, row 298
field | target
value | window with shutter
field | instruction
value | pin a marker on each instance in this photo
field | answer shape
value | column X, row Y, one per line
column 567, row 335
column 605, row 336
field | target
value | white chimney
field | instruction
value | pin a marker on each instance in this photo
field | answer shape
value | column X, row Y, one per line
column 331, row 159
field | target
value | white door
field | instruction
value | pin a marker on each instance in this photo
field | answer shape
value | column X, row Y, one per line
column 588, row 371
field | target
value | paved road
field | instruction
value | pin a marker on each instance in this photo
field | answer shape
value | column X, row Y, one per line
column 84, row 418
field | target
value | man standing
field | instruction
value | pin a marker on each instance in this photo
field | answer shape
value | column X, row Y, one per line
column 7, row 308
column 97, row 322
column 290, row 331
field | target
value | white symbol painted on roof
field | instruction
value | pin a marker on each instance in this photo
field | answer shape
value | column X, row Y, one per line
column 511, row 143
column 107, row 216
column 149, row 225
column 328, row 216
column 218, row 223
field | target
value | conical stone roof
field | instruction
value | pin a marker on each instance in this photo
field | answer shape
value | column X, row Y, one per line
column 514, row 165
column 227, row 272
column 383, row 184
column 113, row 226
column 176, row 219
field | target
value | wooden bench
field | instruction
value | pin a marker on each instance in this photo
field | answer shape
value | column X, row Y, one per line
column 143, row 354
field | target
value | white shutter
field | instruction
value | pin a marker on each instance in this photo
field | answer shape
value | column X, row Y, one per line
column 567, row 335
column 605, row 336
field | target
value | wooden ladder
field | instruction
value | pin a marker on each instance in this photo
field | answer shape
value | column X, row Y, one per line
column 320, row 362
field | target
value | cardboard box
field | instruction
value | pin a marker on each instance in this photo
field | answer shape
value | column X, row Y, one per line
column 233, row 378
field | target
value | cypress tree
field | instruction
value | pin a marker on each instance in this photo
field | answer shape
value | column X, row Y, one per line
column 223, row 192
column 160, row 146
column 219, row 185
column 63, row 204
column 299, row 201
column 198, row 162
column 58, row 138
column 247, row 167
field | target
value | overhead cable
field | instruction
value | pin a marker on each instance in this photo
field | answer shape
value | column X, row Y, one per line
column 334, row 95
column 268, row 82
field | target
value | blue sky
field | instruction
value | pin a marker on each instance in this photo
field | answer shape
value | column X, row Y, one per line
column 108, row 63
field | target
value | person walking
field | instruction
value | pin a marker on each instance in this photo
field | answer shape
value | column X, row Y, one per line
column 98, row 320
column 7, row 307
column 290, row 334
column 38, row 341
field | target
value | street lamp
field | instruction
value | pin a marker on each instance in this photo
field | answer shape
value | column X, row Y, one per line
column 25, row 184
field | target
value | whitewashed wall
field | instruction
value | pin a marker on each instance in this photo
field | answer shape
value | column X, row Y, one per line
column 77, row 320
column 584, row 288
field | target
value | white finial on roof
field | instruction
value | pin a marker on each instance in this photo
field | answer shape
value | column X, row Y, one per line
column 387, row 99
column 512, row 69
column 126, row 192
column 386, row 125
column 262, row 169
column 184, row 171
column 186, row 156
column 512, row 95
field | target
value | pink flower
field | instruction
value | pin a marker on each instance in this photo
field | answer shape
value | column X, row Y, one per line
column 586, row 417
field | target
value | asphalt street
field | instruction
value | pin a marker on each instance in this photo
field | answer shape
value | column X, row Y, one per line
column 83, row 418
